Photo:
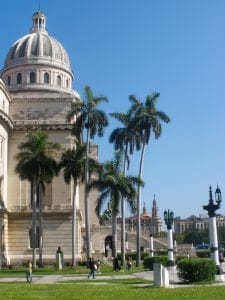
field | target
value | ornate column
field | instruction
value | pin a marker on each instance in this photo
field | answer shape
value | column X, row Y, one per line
column 211, row 209
column 168, row 218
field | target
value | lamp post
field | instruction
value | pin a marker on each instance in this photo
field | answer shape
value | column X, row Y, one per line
column 151, row 246
column 168, row 218
column 211, row 208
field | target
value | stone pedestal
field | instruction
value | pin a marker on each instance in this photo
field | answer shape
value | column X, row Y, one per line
column 220, row 278
column 161, row 275
column 59, row 261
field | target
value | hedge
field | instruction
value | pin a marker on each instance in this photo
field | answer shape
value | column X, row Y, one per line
column 160, row 252
column 179, row 257
column 196, row 269
column 149, row 261
column 203, row 253
column 133, row 255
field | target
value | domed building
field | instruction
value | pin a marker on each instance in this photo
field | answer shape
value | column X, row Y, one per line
column 39, row 62
column 36, row 94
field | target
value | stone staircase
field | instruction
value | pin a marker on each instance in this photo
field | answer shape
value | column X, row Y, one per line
column 99, row 233
column 158, row 244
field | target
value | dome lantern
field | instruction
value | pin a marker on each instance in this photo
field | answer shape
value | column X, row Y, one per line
column 39, row 21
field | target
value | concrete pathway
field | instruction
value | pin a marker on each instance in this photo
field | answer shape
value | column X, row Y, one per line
column 52, row 279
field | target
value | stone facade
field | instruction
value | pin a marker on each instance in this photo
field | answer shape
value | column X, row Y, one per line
column 36, row 94
column 196, row 223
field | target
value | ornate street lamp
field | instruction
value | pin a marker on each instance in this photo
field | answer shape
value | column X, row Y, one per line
column 168, row 218
column 212, row 208
column 151, row 246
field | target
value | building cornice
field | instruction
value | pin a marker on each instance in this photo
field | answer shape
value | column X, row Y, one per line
column 40, row 125
column 6, row 120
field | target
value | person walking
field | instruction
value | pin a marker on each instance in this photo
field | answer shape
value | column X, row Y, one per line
column 29, row 272
column 116, row 265
column 129, row 263
column 93, row 268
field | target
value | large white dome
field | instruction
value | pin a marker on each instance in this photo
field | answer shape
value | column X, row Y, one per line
column 37, row 61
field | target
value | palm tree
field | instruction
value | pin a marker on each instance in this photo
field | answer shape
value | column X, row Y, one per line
column 89, row 117
column 113, row 185
column 147, row 119
column 52, row 150
column 37, row 165
column 124, row 138
column 73, row 165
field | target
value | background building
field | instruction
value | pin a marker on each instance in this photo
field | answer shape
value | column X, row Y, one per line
column 194, row 223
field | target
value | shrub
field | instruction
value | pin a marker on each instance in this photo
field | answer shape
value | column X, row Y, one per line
column 203, row 253
column 149, row 261
column 133, row 255
column 82, row 263
column 180, row 257
column 67, row 264
column 196, row 269
column 144, row 255
column 160, row 252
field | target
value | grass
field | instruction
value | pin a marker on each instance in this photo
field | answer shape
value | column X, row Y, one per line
column 100, row 288
column 111, row 281
column 106, row 292
column 50, row 270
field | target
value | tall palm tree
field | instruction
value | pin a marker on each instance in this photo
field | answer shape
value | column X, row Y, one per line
column 73, row 165
column 35, row 162
column 125, row 139
column 112, row 186
column 89, row 117
column 147, row 119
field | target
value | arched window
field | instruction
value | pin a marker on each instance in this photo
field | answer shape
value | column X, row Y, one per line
column 67, row 83
column 19, row 78
column 8, row 80
column 36, row 240
column 46, row 78
column 59, row 80
column 32, row 77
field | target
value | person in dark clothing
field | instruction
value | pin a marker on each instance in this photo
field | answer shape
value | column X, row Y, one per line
column 92, row 267
column 116, row 266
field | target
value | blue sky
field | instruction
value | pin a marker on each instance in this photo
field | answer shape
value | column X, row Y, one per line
column 123, row 47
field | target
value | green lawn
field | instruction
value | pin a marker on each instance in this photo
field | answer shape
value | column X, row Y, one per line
column 50, row 270
column 110, row 281
column 100, row 289
column 104, row 292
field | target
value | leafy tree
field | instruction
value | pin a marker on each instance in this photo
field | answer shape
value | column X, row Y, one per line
column 197, row 237
column 73, row 165
column 221, row 234
column 147, row 120
column 89, row 117
column 113, row 185
column 36, row 163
